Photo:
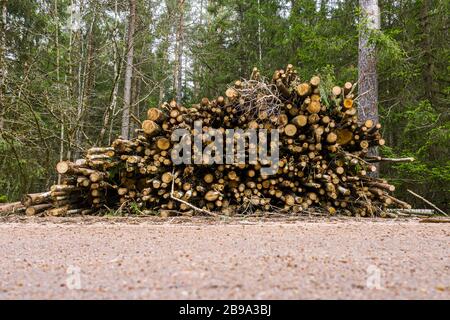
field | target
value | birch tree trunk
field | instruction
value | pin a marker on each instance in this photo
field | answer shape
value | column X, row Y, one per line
column 197, row 64
column 125, row 132
column 109, row 112
column 135, row 94
column 367, row 65
column 79, row 92
column 178, row 74
column 61, row 133
column 69, row 83
column 108, row 117
column 86, row 81
column 77, row 48
column 259, row 34
column 3, row 69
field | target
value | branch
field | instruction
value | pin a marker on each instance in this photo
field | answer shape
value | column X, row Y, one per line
column 428, row 202
column 380, row 159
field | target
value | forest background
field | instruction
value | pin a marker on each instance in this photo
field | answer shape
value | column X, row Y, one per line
column 64, row 82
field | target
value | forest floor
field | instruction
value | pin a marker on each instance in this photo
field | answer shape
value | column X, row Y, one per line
column 235, row 258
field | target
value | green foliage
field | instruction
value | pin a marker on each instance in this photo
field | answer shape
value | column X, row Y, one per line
column 20, row 172
column 428, row 142
column 134, row 207
column 327, row 82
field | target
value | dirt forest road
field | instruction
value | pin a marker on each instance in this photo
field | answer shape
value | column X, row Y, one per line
column 241, row 259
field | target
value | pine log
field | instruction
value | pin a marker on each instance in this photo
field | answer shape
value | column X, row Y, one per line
column 150, row 127
column 162, row 143
column 290, row 130
column 13, row 207
column 36, row 198
column 33, row 210
column 303, row 89
column 156, row 115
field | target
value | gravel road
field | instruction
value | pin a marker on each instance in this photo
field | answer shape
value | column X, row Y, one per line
column 241, row 259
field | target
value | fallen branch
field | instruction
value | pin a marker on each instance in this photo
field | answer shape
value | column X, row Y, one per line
column 423, row 212
column 427, row 202
column 434, row 220
column 11, row 207
column 380, row 159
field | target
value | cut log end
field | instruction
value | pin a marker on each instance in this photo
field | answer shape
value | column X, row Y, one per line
column 315, row 81
column 290, row 130
column 62, row 167
column 150, row 127
column 156, row 115
column 336, row 91
column 231, row 94
column 303, row 89
column 163, row 143
column 348, row 103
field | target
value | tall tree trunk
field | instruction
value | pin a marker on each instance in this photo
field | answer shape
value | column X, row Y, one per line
column 164, row 66
column 135, row 94
column 178, row 74
column 125, row 132
column 87, row 83
column 61, row 133
column 367, row 64
column 79, row 91
column 259, row 34
column 113, row 106
column 3, row 68
column 69, row 83
column 197, row 72
column 109, row 112
column 108, row 116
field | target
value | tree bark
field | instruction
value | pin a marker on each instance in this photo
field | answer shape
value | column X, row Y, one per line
column 3, row 69
column 68, row 81
column 61, row 134
column 125, row 132
column 79, row 91
column 108, row 115
column 135, row 94
column 163, row 80
column 197, row 66
column 88, row 82
column 259, row 34
column 178, row 74
column 367, row 65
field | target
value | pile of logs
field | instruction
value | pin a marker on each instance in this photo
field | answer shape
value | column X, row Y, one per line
column 324, row 162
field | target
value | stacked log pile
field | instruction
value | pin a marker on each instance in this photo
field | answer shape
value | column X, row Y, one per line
column 323, row 154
